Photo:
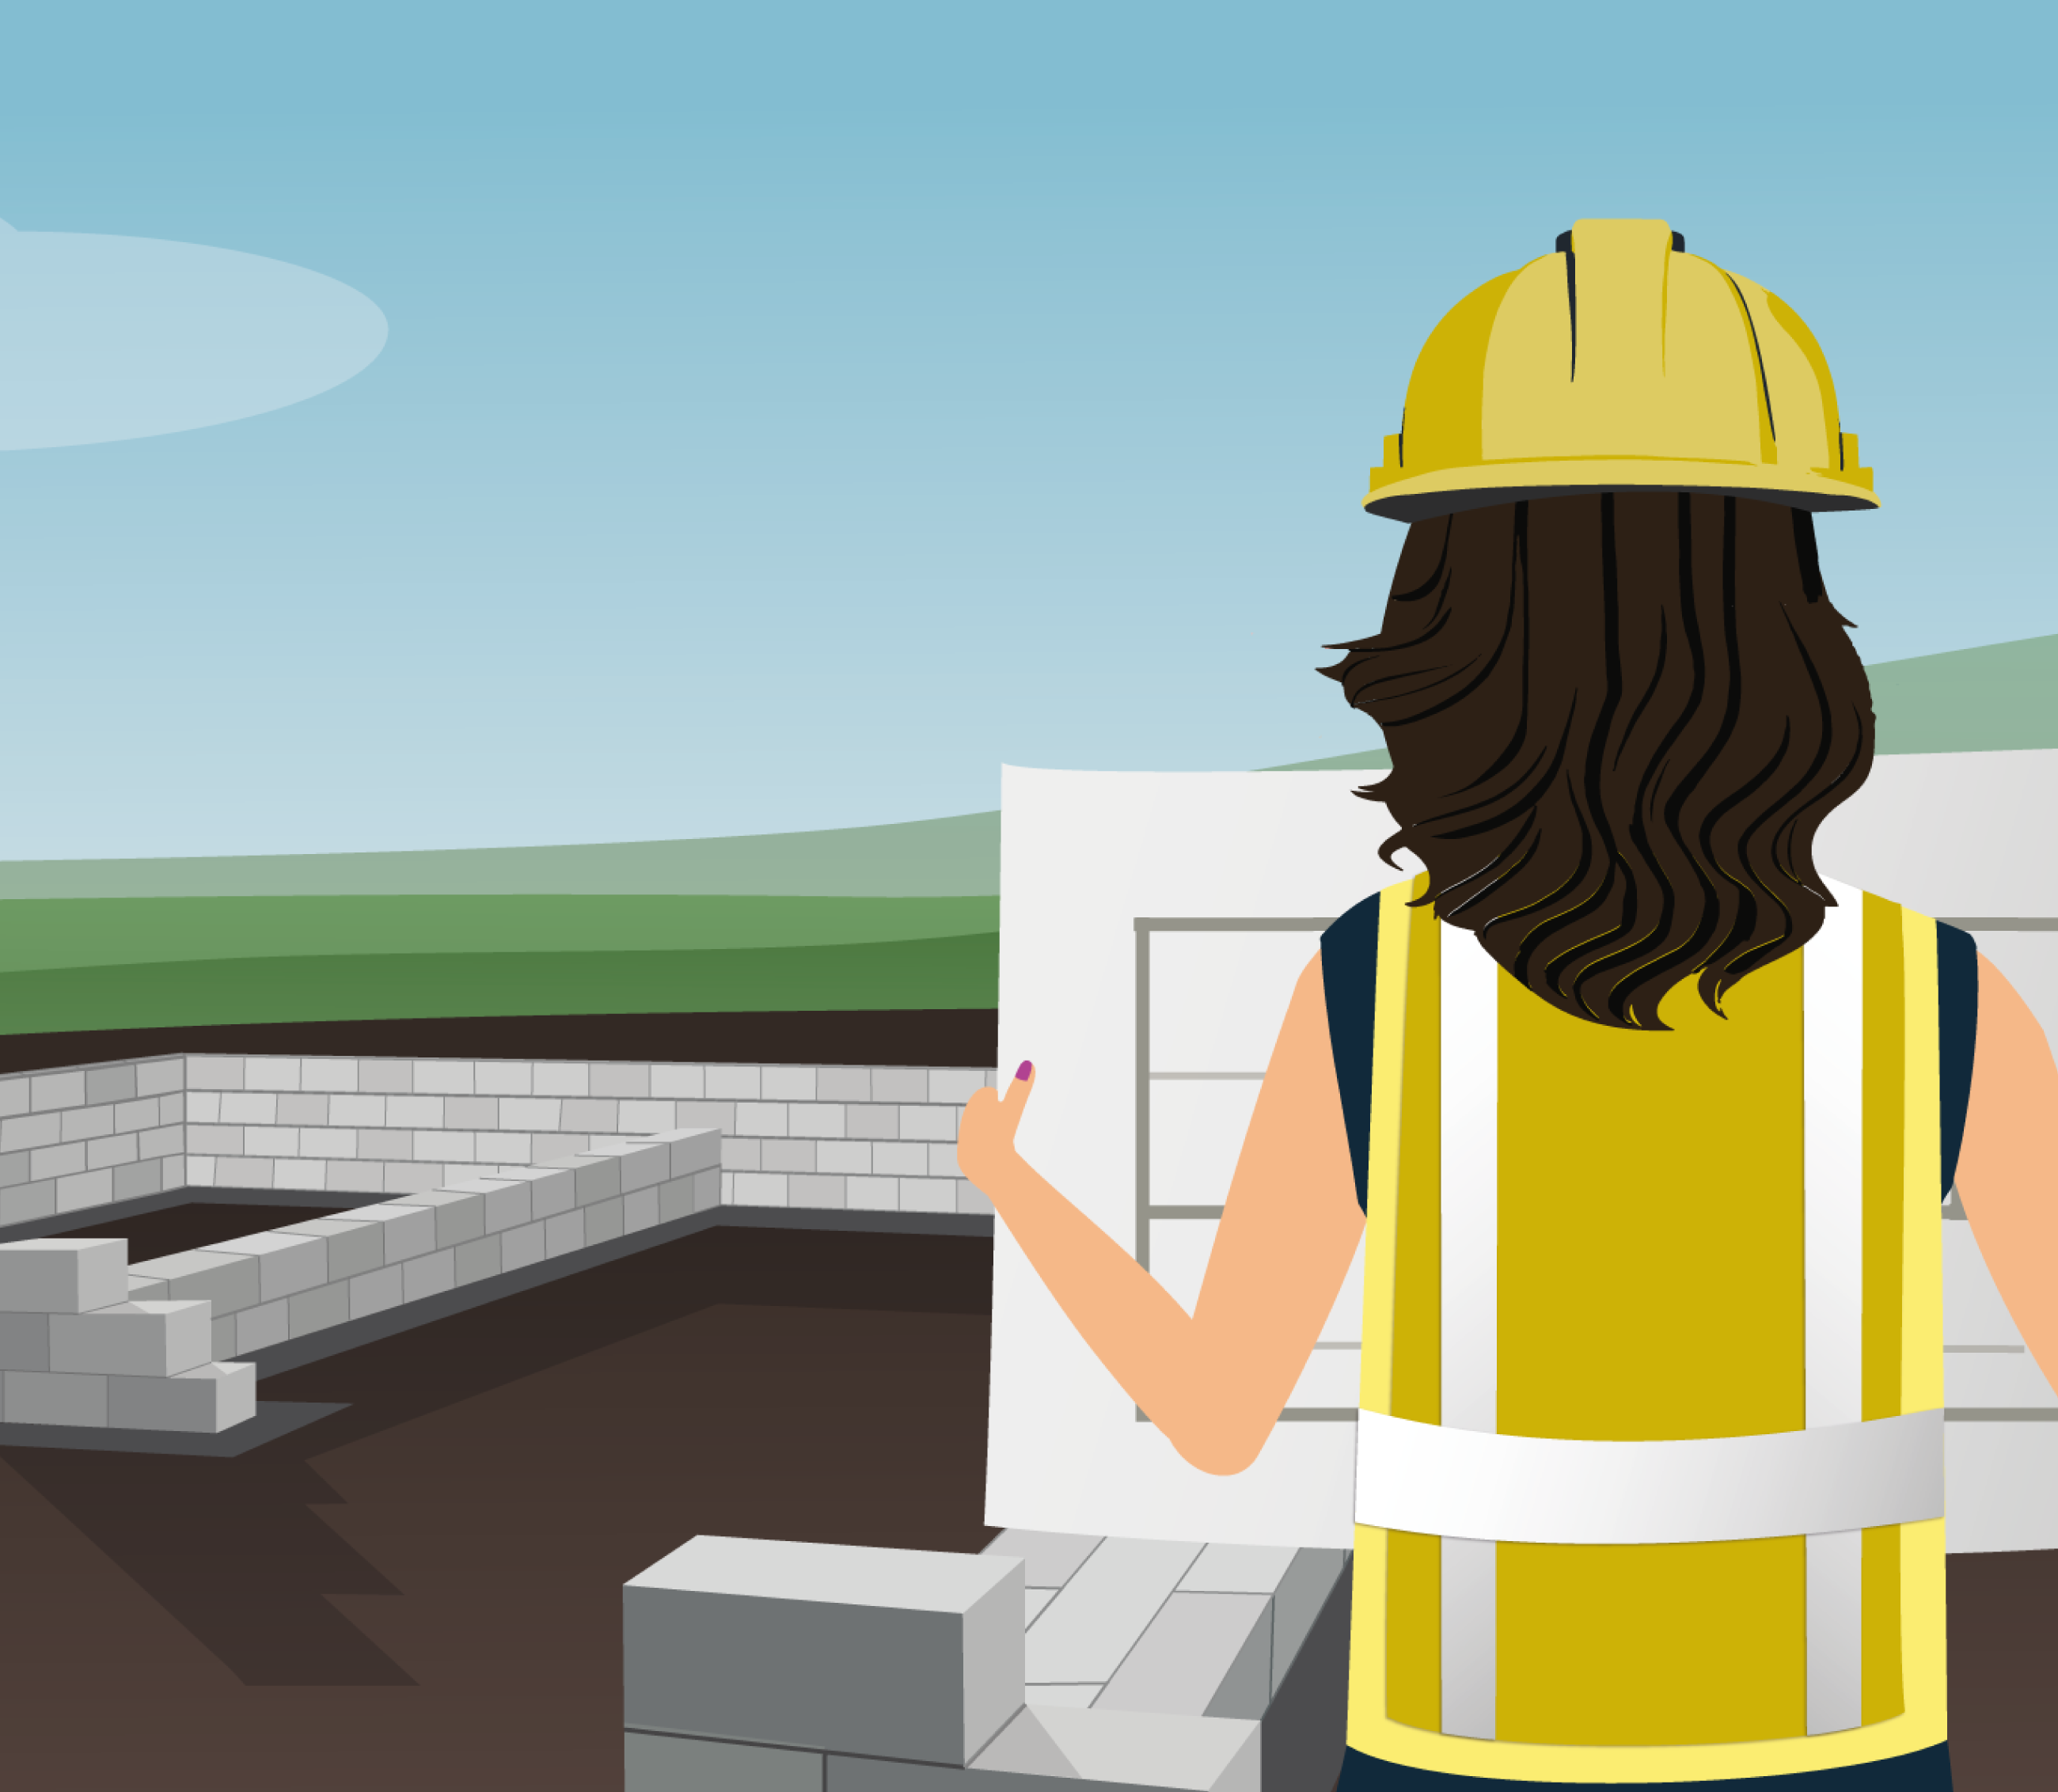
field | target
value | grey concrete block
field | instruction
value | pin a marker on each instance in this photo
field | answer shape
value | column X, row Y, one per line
column 354, row 1246
column 734, row 1082
column 412, row 1178
column 929, row 1122
column 408, row 1231
column 230, row 1282
column 590, row 1116
column 389, row 1144
column 225, row 1337
column 477, row 1259
column 376, row 1291
column 1303, row 1590
column 385, row 1076
column 694, row 1148
column 259, row 1328
column 558, row 1078
column 57, row 1089
column 906, row 1653
column 13, row 1170
column 210, row 1398
column 844, row 1083
column 643, row 1168
column 1094, row 1751
column 133, row 1180
column 27, row 1397
column 59, row 1161
column 815, row 1119
column 1049, row 1558
column 603, row 1221
column 565, row 1232
column 675, row 1198
column 161, row 1076
column 678, row 1082
column 134, row 1337
column 301, row 1110
column 342, row 1176
column 900, row 1082
column 895, row 1158
column 720, row 1115
column 654, row 1763
column 63, row 1275
column 471, row 1113
column 876, row 1122
column 815, row 1191
column 288, row 1262
column 640, row 1210
column 1304, row 1726
column 30, row 1132
column 220, row 1141
column 435, row 1274
column 1034, row 1599
column 92, row 1188
column 596, row 1179
column 25, row 1341
column 508, row 1205
column 460, row 1214
column 743, row 1154
column 1205, row 1654
column 28, row 1201
column 88, row 1122
column 793, row 1155
column 618, row 1080
column 1238, row 1567
column 145, row 1288
column 787, row 1082
column 523, row 1245
column 318, row 1309
column 970, row 1200
column 763, row 1119
column 1129, row 1748
column 1101, row 1610
column 707, row 1189
column 845, row 1156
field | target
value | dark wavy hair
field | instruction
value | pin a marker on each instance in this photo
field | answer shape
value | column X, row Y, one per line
column 1616, row 721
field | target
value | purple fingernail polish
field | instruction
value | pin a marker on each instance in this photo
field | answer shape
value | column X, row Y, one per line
column 1021, row 1075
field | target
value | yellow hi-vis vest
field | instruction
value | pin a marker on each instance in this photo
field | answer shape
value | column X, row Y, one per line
column 1650, row 1481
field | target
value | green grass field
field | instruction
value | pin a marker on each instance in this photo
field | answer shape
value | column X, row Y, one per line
column 905, row 915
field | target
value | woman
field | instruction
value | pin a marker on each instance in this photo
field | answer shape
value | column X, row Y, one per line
column 1643, row 1130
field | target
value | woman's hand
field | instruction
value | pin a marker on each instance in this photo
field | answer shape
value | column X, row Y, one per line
column 986, row 1131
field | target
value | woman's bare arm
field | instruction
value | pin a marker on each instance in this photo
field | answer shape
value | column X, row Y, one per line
column 1214, row 1382
column 2008, row 1167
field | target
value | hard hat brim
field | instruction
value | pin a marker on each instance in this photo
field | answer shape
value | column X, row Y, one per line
column 1441, row 492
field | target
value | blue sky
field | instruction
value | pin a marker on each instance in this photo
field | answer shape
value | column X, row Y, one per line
column 791, row 412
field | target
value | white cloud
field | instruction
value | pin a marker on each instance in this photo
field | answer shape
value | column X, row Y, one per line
column 103, row 339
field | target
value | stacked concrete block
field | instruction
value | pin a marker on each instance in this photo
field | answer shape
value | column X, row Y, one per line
column 303, row 1277
column 881, row 1137
column 72, row 1140
column 755, row 1664
column 78, row 1348
column 809, row 1650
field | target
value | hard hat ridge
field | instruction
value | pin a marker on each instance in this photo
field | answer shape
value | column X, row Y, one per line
column 1618, row 361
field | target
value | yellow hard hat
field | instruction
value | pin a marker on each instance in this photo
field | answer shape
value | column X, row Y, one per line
column 1620, row 361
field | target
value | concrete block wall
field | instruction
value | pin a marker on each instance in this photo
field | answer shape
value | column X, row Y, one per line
column 75, row 1139
column 80, row 1344
column 267, row 1287
column 878, row 1137
column 766, row 1664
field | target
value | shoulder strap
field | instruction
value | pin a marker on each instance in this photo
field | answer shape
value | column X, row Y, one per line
column 1350, row 984
column 1957, row 1027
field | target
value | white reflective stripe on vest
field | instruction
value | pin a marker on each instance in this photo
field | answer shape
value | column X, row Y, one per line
column 1435, row 1479
column 1833, row 1224
column 1469, row 998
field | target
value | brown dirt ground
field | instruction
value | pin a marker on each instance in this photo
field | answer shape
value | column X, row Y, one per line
column 424, row 1591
